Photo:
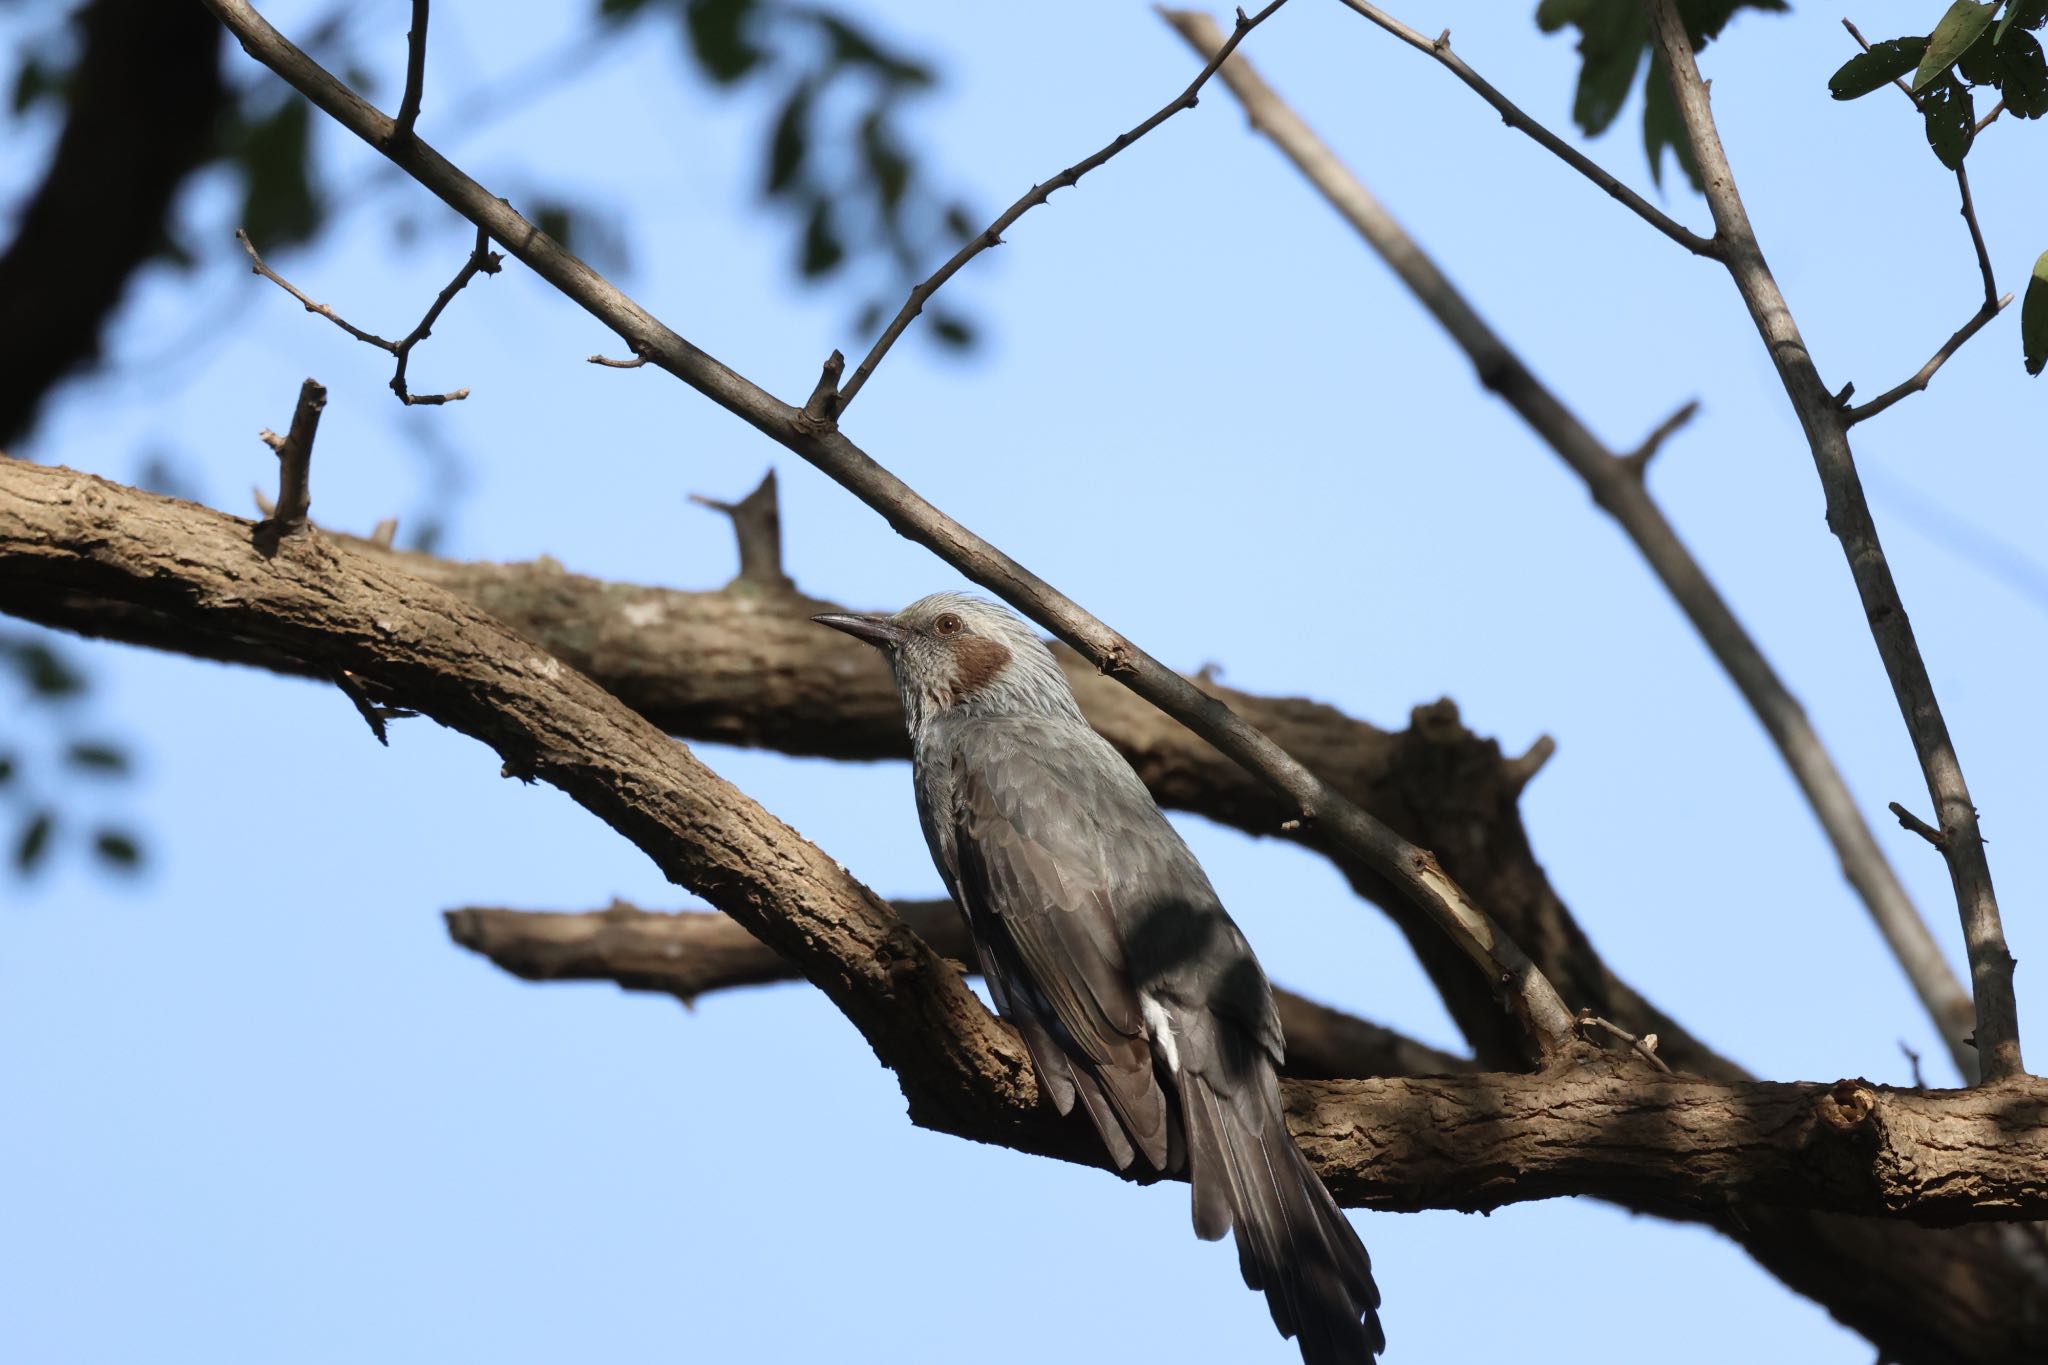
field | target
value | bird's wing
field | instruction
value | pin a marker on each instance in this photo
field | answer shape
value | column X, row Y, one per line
column 1034, row 876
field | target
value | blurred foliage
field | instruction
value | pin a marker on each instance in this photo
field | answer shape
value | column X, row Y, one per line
column 1614, row 41
column 835, row 161
column 1974, row 45
column 41, row 769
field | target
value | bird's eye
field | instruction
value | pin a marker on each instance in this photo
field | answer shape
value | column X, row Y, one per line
column 946, row 624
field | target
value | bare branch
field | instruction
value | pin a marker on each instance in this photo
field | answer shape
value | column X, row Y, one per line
column 482, row 260
column 294, row 469
column 992, row 235
column 1616, row 486
column 716, row 665
column 1848, row 513
column 415, row 73
column 695, row 953
column 757, row 525
column 257, row 267
column 635, row 363
column 1439, row 47
column 1644, row 1047
column 1638, row 460
column 1925, row 374
column 1908, row 820
column 1990, row 308
column 1338, row 825
column 1517, row 772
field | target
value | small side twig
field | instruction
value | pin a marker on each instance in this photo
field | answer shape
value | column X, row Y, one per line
column 375, row 714
column 1644, row 1047
column 1638, row 460
column 992, row 235
column 1908, row 820
column 1913, row 1061
column 757, row 525
column 1518, row 771
column 1512, row 115
column 639, row 359
column 415, row 75
column 1991, row 307
column 294, row 466
column 482, row 260
column 1922, row 377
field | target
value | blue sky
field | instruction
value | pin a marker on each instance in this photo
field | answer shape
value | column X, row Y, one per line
column 261, row 1109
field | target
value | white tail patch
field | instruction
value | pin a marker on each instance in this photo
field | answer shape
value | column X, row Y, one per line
column 1160, row 1025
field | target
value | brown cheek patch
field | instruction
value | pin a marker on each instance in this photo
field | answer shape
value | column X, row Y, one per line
column 977, row 662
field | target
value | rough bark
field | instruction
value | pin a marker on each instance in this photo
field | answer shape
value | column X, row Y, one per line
column 78, row 552
column 695, row 952
column 145, row 100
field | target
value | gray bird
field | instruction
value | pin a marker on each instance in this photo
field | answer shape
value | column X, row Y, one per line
column 1104, row 944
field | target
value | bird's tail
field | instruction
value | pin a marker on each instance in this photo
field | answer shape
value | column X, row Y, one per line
column 1293, row 1241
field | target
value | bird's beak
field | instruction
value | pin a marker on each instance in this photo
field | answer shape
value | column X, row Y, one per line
column 879, row 631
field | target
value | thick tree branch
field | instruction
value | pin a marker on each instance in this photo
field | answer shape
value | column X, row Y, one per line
column 1617, row 485
column 145, row 100
column 992, row 235
column 1332, row 822
column 1511, row 114
column 742, row 668
column 1848, row 514
column 696, row 952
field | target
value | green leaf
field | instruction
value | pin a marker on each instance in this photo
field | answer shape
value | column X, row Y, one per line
column 43, row 669
column 6, row 769
column 33, row 841
column 619, row 9
column 1877, row 68
column 2034, row 318
column 823, row 251
column 718, row 35
column 1979, row 63
column 279, row 205
column 790, row 140
column 34, row 83
column 2023, row 76
column 851, row 46
column 117, row 849
column 959, row 222
column 1662, row 128
column 96, row 757
column 2030, row 13
column 1961, row 26
column 1951, row 118
column 886, row 164
column 952, row 330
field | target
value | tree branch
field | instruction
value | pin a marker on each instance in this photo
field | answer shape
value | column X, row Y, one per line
column 992, row 235
column 1439, row 47
column 1989, row 309
column 481, row 260
column 294, row 470
column 697, row 952
column 415, row 73
column 1848, row 514
column 1333, row 823
column 1617, row 486
column 757, row 526
column 751, row 671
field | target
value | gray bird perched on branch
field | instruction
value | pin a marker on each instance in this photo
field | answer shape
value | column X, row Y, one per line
column 1104, row 944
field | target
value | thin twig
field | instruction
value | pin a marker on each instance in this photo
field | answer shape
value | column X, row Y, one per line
column 1908, row 820
column 1341, row 829
column 1992, row 304
column 1848, row 515
column 635, row 363
column 294, row 468
column 992, row 235
column 415, row 73
column 1511, row 114
column 1644, row 1047
column 257, row 266
column 1638, row 460
column 1925, row 374
column 1519, row 771
column 1624, row 496
column 1913, row 1060
column 482, row 260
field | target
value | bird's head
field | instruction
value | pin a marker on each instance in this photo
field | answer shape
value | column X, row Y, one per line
column 951, row 651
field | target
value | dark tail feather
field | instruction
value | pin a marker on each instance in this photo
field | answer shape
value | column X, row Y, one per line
column 1293, row 1241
